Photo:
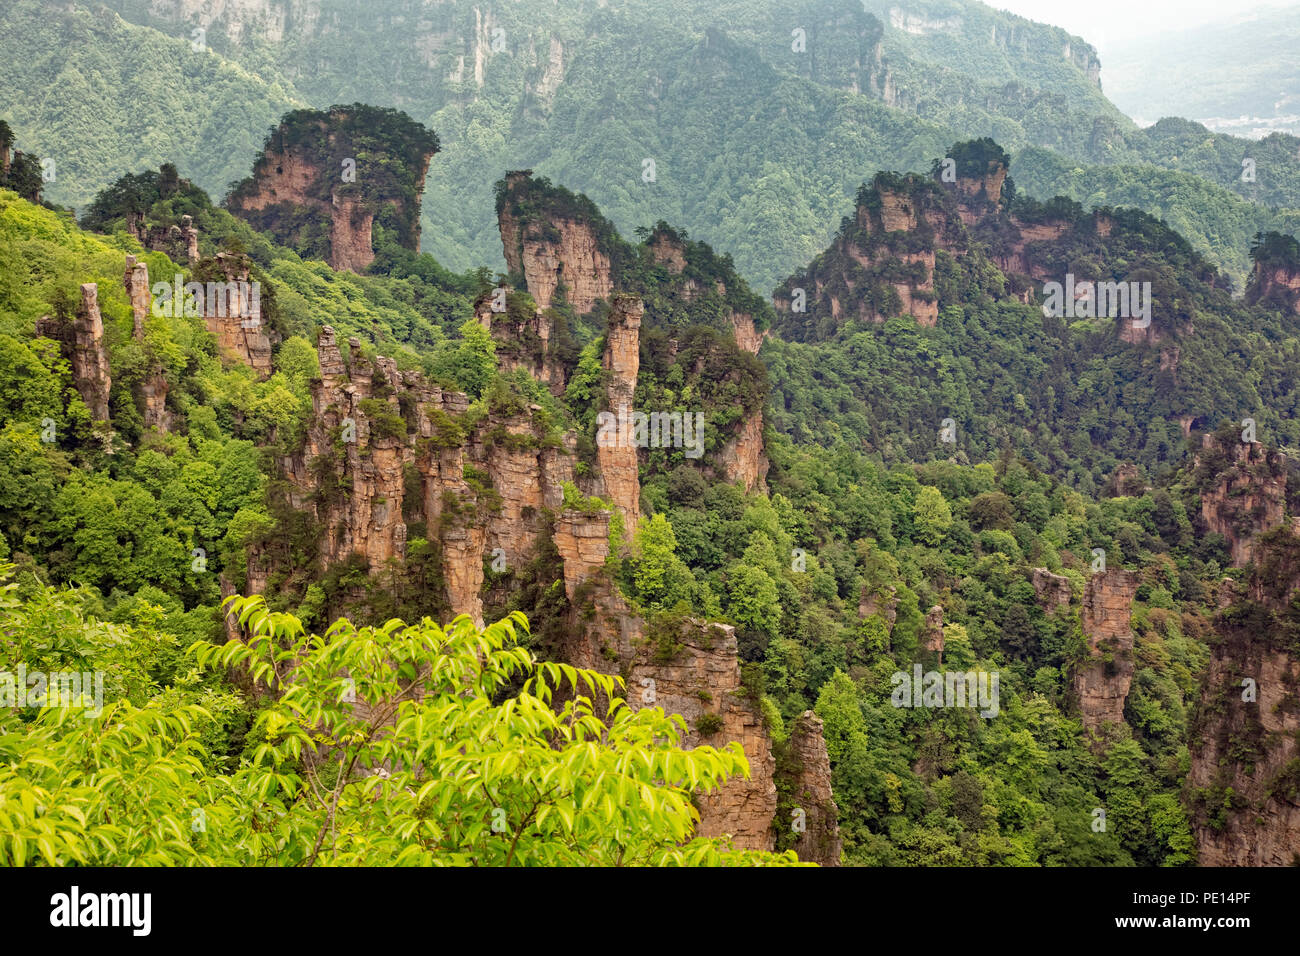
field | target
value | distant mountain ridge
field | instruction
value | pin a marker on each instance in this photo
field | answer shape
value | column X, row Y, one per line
column 758, row 122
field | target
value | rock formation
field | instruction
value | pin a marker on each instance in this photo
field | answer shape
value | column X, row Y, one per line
column 81, row 341
column 233, row 313
column 368, row 451
column 1243, row 787
column 686, row 667
column 1053, row 590
column 819, row 841
column 523, row 338
column 882, row 602
column 1102, row 682
column 1127, row 481
column 703, row 678
column 90, row 354
column 742, row 460
column 882, row 262
column 1275, row 278
column 151, row 391
column 386, row 451
column 384, row 445
column 557, row 244
column 1246, row 494
column 932, row 639
column 180, row 241
column 317, row 161
column 496, row 485
column 617, row 458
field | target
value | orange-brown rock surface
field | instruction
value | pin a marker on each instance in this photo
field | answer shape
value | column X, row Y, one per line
column 1275, row 284
column 151, row 392
column 1247, row 497
column 494, row 485
column 81, row 341
column 550, row 251
column 747, row 336
column 180, row 242
column 583, row 542
column 90, row 354
column 1052, row 590
column 743, row 460
column 932, row 639
column 703, row 677
column 314, row 162
column 1102, row 682
column 523, row 340
column 617, row 458
column 819, row 841
column 236, row 320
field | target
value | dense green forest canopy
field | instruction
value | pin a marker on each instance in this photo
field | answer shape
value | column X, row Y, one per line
column 913, row 787
column 913, row 469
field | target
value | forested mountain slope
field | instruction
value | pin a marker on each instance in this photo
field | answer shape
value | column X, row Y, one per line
column 758, row 120
column 915, row 470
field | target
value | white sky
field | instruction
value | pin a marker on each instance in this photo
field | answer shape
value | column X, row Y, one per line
column 1103, row 22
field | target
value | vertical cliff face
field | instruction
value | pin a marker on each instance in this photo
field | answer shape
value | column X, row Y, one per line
column 882, row 264
column 819, row 841
column 449, row 508
column 981, row 193
column 744, row 460
column 179, row 241
column 523, row 337
column 741, row 459
column 932, row 638
column 81, row 341
column 151, row 391
column 1020, row 252
column 687, row 667
column 1102, row 682
column 351, row 234
column 233, row 312
column 617, row 456
column 350, row 471
column 883, row 602
column 318, row 162
column 1275, row 278
column 558, row 244
column 747, row 335
column 1052, row 590
column 492, row 492
column 378, row 434
column 703, row 678
column 1243, row 787
column 366, row 519
column 1243, row 491
column 493, row 486
column 90, row 354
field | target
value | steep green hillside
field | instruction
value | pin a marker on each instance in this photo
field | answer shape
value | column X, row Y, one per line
column 101, row 97
column 914, row 785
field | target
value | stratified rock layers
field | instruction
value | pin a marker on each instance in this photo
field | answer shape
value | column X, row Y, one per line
column 1102, row 683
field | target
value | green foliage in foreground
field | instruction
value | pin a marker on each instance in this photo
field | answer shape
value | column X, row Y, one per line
column 393, row 745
